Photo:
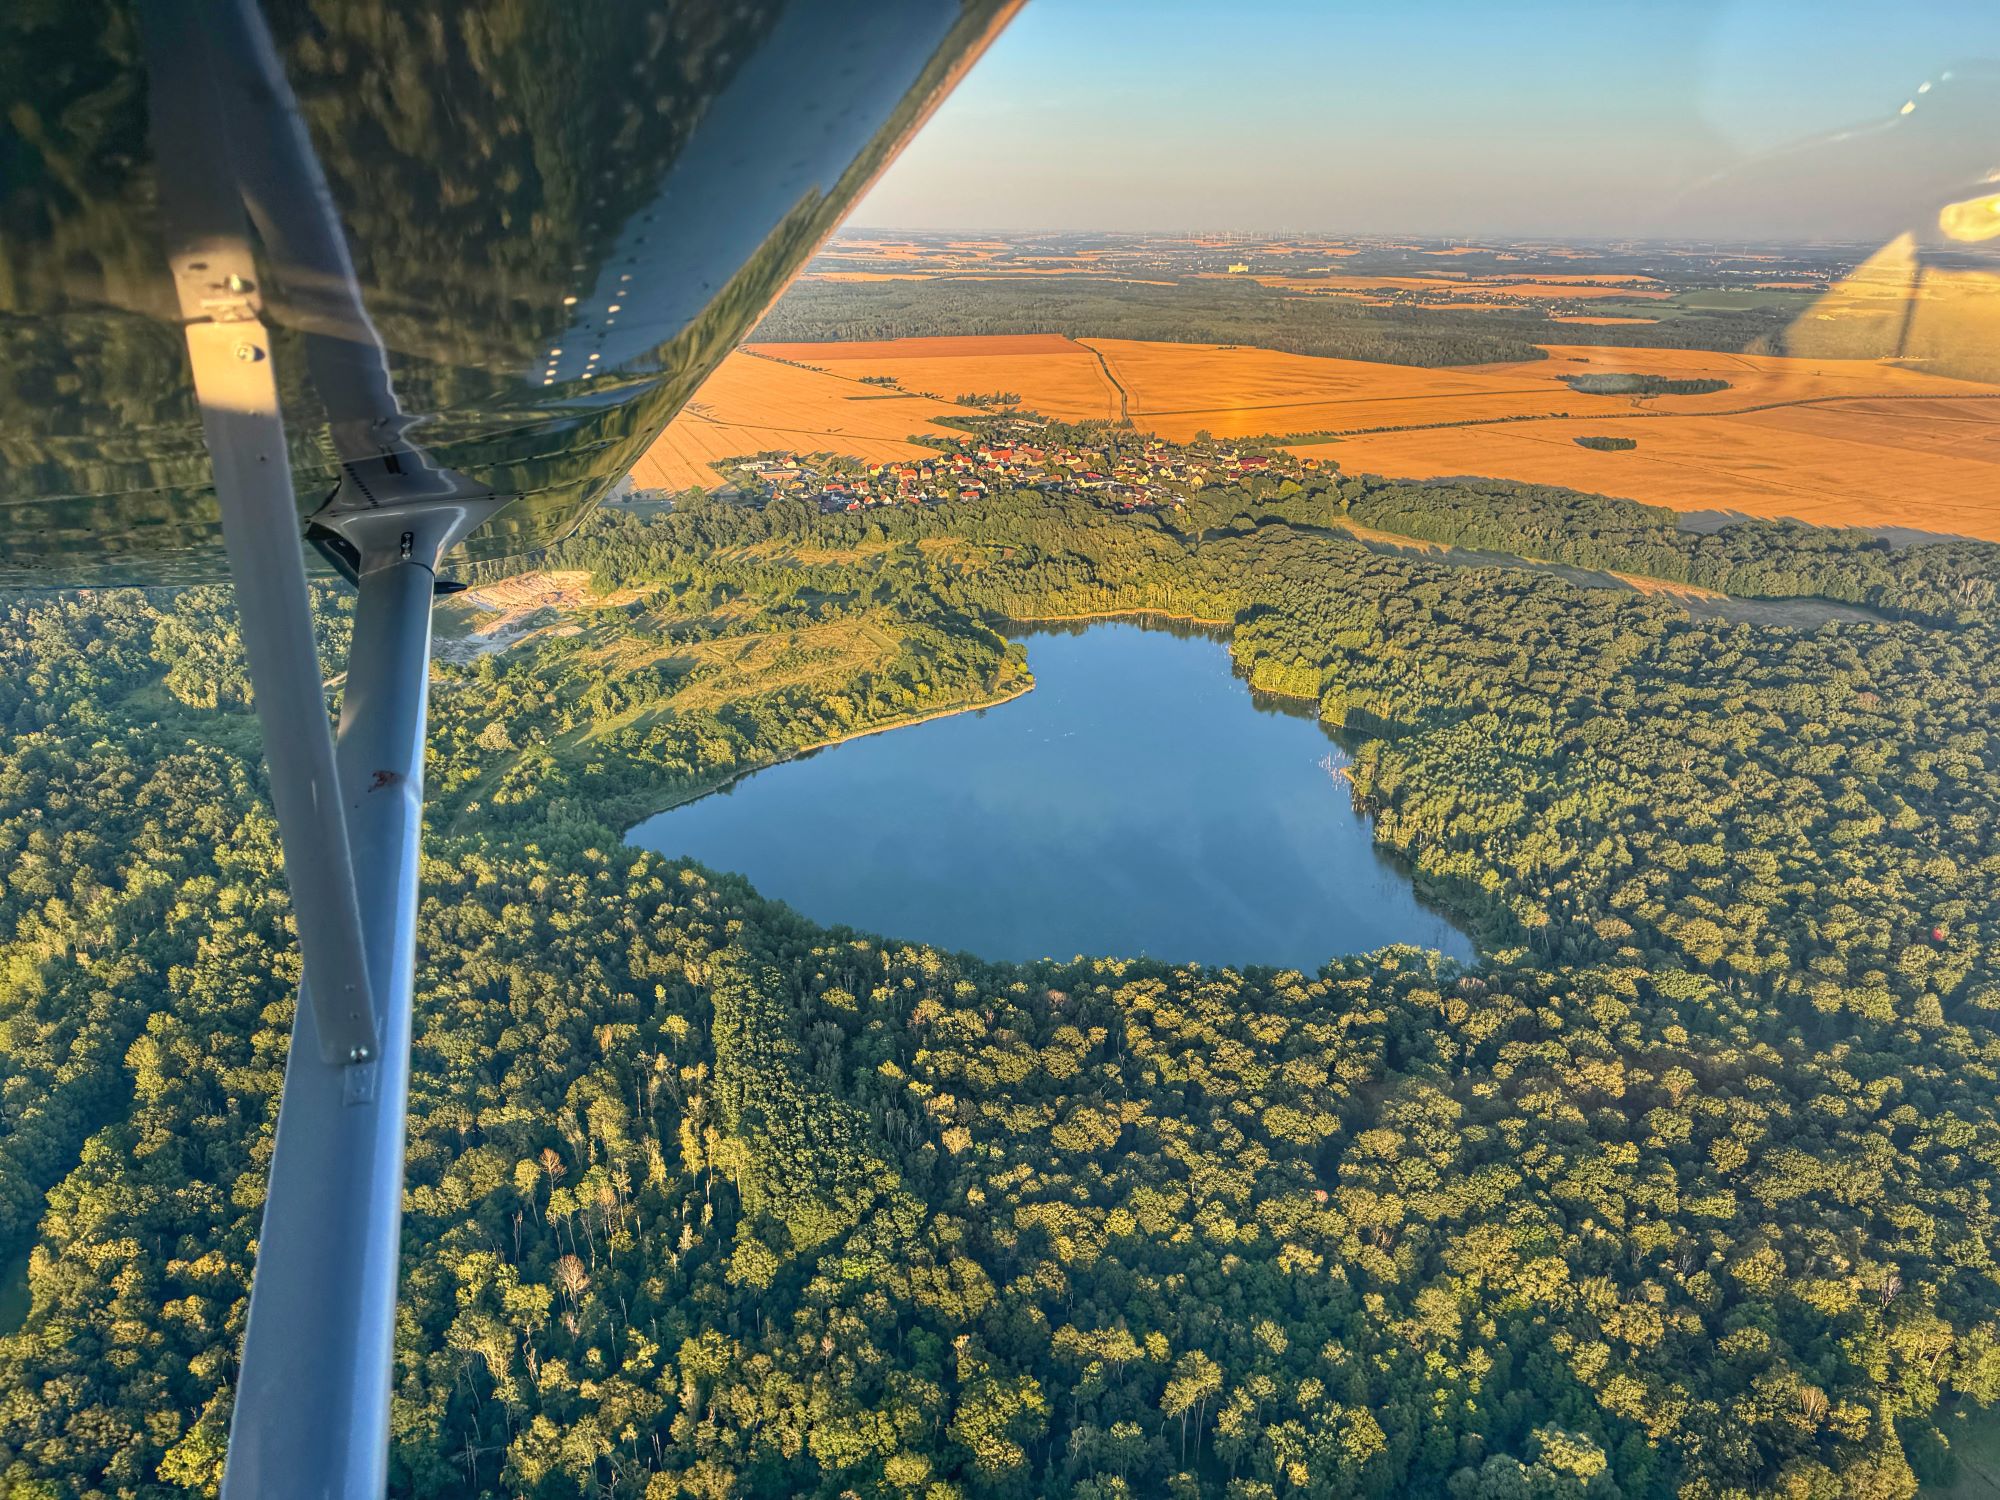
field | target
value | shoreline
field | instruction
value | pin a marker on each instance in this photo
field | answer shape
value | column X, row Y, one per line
column 1161, row 614
column 909, row 721
column 1339, row 774
column 912, row 720
column 1121, row 614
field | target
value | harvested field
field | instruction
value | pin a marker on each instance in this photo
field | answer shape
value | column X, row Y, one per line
column 1834, row 441
column 1816, row 464
column 754, row 405
column 1055, row 376
column 888, row 249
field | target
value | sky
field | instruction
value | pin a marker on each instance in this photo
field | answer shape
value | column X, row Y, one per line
column 1460, row 117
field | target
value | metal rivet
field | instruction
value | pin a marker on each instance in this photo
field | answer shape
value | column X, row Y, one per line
column 249, row 353
column 358, row 1054
column 240, row 284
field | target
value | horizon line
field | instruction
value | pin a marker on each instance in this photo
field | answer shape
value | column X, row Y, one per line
column 1361, row 235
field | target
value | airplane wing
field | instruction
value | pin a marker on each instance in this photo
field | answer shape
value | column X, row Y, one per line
column 398, row 284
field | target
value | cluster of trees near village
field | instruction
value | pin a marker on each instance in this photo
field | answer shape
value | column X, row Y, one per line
column 1688, row 1190
column 1608, row 383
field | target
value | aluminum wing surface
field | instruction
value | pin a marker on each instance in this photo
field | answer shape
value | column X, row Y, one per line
column 559, row 217
column 406, row 282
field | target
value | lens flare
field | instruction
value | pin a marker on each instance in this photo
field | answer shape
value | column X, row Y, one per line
column 1973, row 219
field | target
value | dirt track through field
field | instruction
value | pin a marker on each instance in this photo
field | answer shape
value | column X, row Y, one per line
column 1111, row 377
column 1828, row 440
column 1642, row 416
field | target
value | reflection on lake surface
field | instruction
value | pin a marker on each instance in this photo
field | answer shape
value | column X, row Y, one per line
column 1138, row 801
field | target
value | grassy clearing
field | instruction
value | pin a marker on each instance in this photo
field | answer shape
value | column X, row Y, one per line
column 937, row 548
column 825, row 654
column 1796, row 614
column 1975, row 1444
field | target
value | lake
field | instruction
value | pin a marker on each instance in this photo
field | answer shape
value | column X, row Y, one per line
column 1140, row 801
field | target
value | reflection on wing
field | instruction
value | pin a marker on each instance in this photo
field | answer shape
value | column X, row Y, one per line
column 497, row 184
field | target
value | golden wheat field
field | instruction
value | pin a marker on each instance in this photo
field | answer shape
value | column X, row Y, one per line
column 754, row 404
column 1932, row 466
column 1055, row 376
column 1834, row 441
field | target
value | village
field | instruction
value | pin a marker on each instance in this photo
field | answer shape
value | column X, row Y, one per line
column 1121, row 469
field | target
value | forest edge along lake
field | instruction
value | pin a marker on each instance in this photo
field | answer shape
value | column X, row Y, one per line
column 1141, row 801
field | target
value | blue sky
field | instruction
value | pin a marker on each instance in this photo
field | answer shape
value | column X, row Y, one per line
column 1446, row 116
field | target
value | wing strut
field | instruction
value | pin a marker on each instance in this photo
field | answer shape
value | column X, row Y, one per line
column 229, row 348
column 312, row 1400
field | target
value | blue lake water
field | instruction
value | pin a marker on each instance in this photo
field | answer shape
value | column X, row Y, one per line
column 1139, row 801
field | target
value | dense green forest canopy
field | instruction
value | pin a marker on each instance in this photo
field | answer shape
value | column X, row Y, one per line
column 1951, row 582
column 1688, row 1190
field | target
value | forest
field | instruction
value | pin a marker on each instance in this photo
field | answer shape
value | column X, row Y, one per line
column 1212, row 312
column 1944, row 583
column 1687, row 1189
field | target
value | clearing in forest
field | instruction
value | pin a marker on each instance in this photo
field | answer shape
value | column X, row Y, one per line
column 495, row 616
column 763, row 662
